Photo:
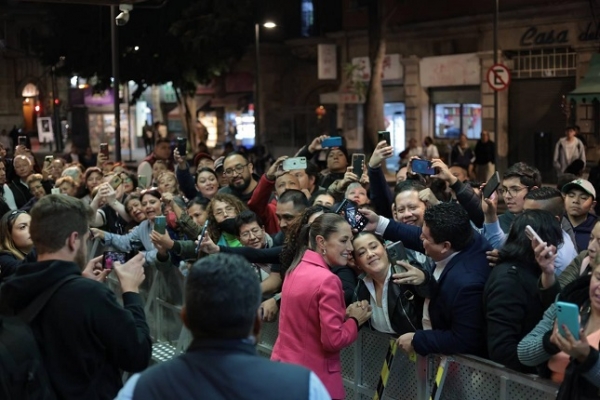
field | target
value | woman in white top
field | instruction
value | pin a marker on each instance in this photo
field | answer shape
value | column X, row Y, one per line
column 430, row 150
column 396, row 307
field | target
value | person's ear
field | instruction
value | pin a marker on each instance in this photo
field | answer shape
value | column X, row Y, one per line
column 593, row 207
column 72, row 241
column 320, row 243
column 251, row 168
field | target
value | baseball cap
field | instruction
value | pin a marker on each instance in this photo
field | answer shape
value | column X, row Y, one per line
column 201, row 156
column 581, row 184
column 219, row 163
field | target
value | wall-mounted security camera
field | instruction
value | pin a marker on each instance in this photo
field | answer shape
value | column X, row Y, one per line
column 123, row 16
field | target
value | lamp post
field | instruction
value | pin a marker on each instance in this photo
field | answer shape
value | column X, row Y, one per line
column 257, row 82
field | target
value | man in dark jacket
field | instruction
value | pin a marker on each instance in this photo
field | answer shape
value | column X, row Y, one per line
column 222, row 297
column 453, row 317
column 240, row 173
column 85, row 336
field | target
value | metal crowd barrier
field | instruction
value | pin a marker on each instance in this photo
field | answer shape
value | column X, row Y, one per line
column 363, row 370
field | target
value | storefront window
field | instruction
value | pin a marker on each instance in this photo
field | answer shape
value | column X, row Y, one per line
column 394, row 114
column 453, row 119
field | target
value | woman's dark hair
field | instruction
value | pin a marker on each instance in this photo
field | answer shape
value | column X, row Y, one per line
column 291, row 243
column 201, row 201
column 518, row 246
column 206, row 169
column 131, row 197
column 131, row 176
column 324, row 225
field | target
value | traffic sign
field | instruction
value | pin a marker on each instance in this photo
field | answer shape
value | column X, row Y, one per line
column 498, row 77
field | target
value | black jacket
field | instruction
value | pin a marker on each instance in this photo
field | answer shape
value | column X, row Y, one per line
column 512, row 309
column 85, row 336
column 9, row 263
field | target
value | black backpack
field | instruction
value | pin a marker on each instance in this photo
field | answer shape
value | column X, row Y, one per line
column 22, row 372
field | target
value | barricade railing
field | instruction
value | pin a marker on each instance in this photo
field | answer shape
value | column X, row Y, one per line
column 372, row 367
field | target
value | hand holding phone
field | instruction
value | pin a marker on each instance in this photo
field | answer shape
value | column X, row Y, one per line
column 110, row 257
column 396, row 252
column 358, row 160
column 334, row 141
column 143, row 181
column 160, row 224
column 422, row 167
column 182, row 146
column 491, row 185
column 104, row 149
column 567, row 314
column 201, row 237
column 384, row 135
column 22, row 141
column 532, row 234
column 293, row 163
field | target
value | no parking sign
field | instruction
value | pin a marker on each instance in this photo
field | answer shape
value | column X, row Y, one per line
column 498, row 77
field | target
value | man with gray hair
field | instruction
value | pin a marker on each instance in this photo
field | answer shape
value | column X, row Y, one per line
column 222, row 300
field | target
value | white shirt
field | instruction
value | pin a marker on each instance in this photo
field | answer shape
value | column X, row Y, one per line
column 9, row 197
column 430, row 152
column 437, row 272
column 380, row 320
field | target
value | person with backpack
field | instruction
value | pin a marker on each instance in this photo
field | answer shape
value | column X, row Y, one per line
column 85, row 337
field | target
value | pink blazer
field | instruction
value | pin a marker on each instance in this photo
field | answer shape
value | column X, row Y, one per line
column 312, row 322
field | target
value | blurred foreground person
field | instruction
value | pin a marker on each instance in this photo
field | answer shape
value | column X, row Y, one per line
column 222, row 298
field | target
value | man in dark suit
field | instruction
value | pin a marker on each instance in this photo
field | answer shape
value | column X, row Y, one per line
column 453, row 317
column 222, row 297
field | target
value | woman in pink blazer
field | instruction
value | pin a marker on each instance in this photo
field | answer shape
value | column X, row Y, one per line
column 314, row 324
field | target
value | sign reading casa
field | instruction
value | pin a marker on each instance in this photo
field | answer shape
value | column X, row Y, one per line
column 535, row 36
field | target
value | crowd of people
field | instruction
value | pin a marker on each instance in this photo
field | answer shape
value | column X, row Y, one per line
column 306, row 248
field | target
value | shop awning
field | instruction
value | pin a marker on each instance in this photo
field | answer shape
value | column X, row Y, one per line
column 589, row 87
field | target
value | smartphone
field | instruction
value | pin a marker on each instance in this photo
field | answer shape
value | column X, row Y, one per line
column 491, row 185
column 110, row 257
column 49, row 159
column 160, row 224
column 356, row 220
column 568, row 314
column 422, row 167
column 334, row 141
column 294, row 163
column 182, row 146
column 532, row 234
column 22, row 141
column 201, row 237
column 143, row 181
column 358, row 161
column 397, row 252
column 104, row 149
column 384, row 135
column 116, row 181
column 55, row 191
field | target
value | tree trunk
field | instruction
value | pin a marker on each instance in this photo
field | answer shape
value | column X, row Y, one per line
column 373, row 107
column 187, row 112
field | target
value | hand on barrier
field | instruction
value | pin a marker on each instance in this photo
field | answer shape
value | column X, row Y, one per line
column 94, row 270
column 269, row 310
column 97, row 233
column 131, row 274
column 361, row 310
column 412, row 276
column 405, row 342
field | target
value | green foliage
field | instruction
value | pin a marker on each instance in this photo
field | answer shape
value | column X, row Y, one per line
column 185, row 42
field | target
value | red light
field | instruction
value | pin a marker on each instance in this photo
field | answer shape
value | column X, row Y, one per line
column 57, row 101
column 37, row 108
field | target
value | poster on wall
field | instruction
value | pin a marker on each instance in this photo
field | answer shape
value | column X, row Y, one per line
column 45, row 132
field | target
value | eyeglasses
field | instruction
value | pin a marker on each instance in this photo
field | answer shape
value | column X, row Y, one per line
column 513, row 191
column 238, row 170
column 256, row 232
column 229, row 210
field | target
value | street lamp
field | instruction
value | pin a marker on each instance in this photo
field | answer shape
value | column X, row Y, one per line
column 257, row 81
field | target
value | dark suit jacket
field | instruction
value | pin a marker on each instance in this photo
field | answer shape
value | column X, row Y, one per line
column 456, row 298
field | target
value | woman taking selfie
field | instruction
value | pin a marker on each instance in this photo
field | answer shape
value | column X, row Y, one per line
column 314, row 323
column 16, row 247
column 396, row 307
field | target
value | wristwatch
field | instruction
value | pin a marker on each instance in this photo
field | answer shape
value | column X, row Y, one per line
column 277, row 297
